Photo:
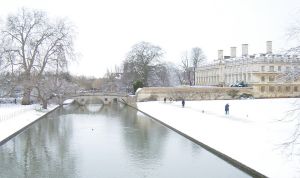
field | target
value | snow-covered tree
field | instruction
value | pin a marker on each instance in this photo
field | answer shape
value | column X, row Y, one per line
column 35, row 44
column 186, row 67
column 292, row 74
column 51, row 85
column 197, row 56
column 189, row 62
column 141, row 63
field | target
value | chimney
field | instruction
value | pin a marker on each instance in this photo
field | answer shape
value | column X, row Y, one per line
column 269, row 47
column 220, row 55
column 233, row 52
column 244, row 49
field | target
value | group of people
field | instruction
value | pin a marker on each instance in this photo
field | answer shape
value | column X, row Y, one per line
column 183, row 104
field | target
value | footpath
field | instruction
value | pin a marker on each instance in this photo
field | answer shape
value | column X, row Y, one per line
column 251, row 138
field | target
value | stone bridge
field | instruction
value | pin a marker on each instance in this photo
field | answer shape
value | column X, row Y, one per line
column 102, row 98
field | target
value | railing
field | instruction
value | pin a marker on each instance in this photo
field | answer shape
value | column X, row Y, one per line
column 99, row 94
column 8, row 111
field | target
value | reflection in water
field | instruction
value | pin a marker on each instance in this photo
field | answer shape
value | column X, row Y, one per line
column 106, row 141
column 39, row 151
column 94, row 107
column 144, row 139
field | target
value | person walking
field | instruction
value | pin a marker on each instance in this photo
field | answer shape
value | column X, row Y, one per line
column 165, row 99
column 227, row 109
column 183, row 103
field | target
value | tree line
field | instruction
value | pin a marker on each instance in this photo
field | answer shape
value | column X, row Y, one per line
column 35, row 51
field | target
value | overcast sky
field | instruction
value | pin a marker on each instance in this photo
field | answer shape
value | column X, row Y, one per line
column 106, row 30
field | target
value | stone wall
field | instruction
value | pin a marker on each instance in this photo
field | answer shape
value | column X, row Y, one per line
column 191, row 93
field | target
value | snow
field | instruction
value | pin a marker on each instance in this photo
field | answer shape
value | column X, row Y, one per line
column 14, row 117
column 68, row 101
column 138, row 90
column 253, row 133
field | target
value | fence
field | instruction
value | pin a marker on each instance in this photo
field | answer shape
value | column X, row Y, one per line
column 11, row 111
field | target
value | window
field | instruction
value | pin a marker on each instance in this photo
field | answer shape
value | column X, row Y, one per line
column 262, row 78
column 262, row 89
column 271, row 68
column 288, row 68
column 271, row 78
column 262, row 68
column 279, row 89
column 295, row 88
column 279, row 68
column 271, row 88
column 288, row 88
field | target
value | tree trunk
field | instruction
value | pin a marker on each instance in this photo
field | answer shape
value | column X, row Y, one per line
column 45, row 104
column 26, row 97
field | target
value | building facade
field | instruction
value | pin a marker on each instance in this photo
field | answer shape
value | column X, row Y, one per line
column 268, row 74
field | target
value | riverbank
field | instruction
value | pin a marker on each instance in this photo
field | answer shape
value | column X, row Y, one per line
column 253, row 133
column 14, row 118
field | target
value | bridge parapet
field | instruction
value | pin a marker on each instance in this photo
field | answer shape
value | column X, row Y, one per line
column 102, row 98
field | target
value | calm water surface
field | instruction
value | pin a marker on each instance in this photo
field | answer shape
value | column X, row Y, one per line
column 109, row 142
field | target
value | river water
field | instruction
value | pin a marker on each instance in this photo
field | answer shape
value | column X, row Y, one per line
column 110, row 142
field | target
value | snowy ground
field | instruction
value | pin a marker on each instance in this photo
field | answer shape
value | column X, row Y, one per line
column 252, row 133
column 14, row 117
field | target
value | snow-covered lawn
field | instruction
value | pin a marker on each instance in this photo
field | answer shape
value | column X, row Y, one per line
column 252, row 133
column 14, row 117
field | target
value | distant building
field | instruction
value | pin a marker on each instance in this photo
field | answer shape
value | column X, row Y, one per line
column 270, row 75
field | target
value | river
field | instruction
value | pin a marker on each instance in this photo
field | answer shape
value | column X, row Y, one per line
column 107, row 141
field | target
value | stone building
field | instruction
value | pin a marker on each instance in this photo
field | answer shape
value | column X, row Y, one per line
column 268, row 74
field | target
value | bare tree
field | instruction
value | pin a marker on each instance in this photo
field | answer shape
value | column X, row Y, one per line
column 179, row 75
column 189, row 63
column 197, row 56
column 111, row 81
column 140, row 62
column 186, row 68
column 37, row 44
column 8, row 74
column 159, row 75
column 291, row 75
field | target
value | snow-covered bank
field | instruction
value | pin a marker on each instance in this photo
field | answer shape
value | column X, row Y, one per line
column 251, row 134
column 14, row 117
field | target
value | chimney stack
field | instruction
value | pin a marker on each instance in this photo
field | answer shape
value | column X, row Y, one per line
column 233, row 52
column 244, row 49
column 220, row 55
column 269, row 47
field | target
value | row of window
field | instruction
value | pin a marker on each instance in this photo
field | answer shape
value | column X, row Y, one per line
column 272, row 68
column 231, row 78
column 271, row 78
column 279, row 89
column 239, row 70
column 207, row 80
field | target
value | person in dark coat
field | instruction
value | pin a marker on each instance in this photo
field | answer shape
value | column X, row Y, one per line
column 165, row 99
column 183, row 103
column 227, row 108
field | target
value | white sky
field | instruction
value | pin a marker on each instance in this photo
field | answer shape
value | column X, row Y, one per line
column 106, row 30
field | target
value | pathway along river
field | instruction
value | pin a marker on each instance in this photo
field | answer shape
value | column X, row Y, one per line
column 110, row 142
